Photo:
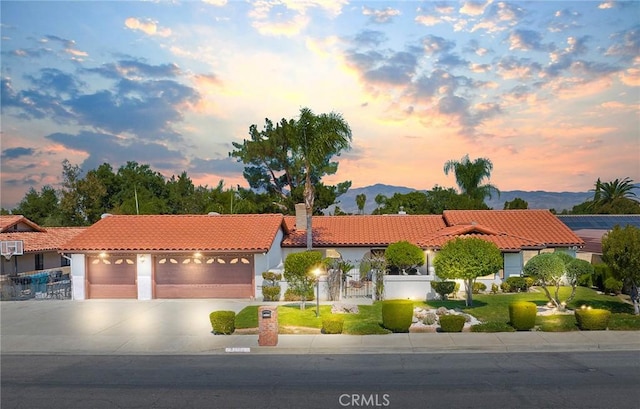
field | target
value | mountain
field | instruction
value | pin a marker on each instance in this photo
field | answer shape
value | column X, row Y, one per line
column 537, row 199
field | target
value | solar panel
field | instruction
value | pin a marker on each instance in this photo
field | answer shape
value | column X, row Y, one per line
column 599, row 222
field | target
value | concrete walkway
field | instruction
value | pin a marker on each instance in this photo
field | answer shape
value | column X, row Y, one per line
column 181, row 327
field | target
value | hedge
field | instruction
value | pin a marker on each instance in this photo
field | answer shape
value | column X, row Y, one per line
column 592, row 319
column 223, row 322
column 522, row 315
column 397, row 315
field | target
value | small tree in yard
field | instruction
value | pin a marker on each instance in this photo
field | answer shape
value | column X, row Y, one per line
column 403, row 256
column 467, row 259
column 621, row 252
column 298, row 271
column 548, row 269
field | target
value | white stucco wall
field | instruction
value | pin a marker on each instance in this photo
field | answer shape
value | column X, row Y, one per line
column 78, row 276
column 408, row 287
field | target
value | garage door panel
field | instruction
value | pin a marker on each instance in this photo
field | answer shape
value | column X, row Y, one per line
column 112, row 277
column 208, row 277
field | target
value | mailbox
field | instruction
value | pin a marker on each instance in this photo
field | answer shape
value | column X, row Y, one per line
column 267, row 326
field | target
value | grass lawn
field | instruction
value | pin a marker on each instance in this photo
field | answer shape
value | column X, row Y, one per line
column 491, row 309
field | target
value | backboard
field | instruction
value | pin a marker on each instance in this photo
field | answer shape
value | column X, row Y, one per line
column 10, row 248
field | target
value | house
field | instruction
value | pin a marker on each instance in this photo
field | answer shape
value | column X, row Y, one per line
column 592, row 228
column 223, row 256
column 40, row 245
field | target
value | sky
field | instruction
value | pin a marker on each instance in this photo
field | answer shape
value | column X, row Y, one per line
column 548, row 91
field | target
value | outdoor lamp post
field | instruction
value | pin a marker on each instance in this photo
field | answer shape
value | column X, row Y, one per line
column 317, row 272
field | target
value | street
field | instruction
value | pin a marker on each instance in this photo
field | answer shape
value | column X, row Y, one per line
column 464, row 380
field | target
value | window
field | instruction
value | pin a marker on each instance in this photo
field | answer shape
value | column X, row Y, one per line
column 39, row 257
column 64, row 262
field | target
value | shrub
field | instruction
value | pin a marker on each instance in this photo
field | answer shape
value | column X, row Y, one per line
column 271, row 279
column 271, row 293
column 429, row 319
column 403, row 255
column 332, row 324
column 592, row 319
column 505, row 287
column 452, row 323
column 443, row 288
column 528, row 283
column 522, row 315
column 290, row 295
column 601, row 272
column 517, row 284
column 612, row 285
column 494, row 288
column 223, row 322
column 479, row 287
column 397, row 315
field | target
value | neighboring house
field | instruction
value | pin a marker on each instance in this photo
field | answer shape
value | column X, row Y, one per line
column 591, row 229
column 40, row 245
column 223, row 256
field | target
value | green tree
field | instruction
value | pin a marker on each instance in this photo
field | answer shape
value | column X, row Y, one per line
column 318, row 138
column 299, row 272
column 293, row 155
column 361, row 200
column 181, row 195
column 548, row 269
column 143, row 190
column 40, row 207
column 402, row 256
column 467, row 259
column 621, row 252
column 469, row 176
column 516, row 203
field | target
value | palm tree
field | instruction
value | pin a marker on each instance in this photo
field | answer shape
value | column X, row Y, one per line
column 469, row 176
column 607, row 192
column 319, row 137
column 361, row 200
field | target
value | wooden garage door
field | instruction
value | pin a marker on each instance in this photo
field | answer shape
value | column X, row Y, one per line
column 112, row 277
column 180, row 276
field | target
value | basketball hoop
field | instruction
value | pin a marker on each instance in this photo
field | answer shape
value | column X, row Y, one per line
column 9, row 253
column 11, row 248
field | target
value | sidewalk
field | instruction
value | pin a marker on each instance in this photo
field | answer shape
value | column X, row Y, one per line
column 181, row 327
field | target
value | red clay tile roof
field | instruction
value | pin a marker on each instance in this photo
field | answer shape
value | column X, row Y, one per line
column 540, row 226
column 363, row 230
column 504, row 241
column 48, row 240
column 245, row 232
column 7, row 222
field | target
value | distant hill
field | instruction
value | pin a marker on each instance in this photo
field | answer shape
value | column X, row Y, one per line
column 537, row 199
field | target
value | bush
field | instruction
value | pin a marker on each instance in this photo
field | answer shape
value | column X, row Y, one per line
column 592, row 319
column 271, row 293
column 403, row 255
column 479, row 287
column 332, row 324
column 397, row 315
column 271, row 279
column 505, row 287
column 443, row 288
column 601, row 272
column 289, row 295
column 522, row 315
column 517, row 284
column 429, row 319
column 223, row 322
column 452, row 323
column 494, row 288
column 612, row 286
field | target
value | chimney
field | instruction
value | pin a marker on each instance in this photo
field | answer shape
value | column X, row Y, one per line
column 301, row 217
